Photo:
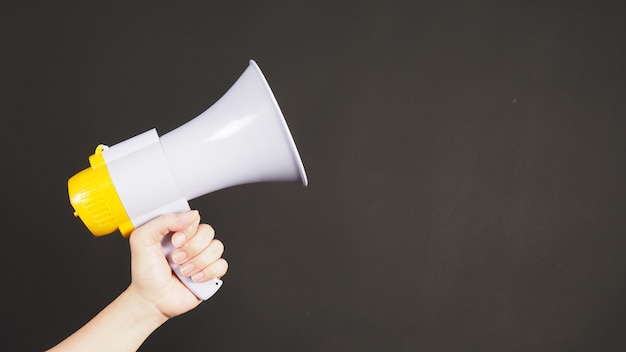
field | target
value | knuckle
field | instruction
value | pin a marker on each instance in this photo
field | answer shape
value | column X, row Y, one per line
column 217, row 247
column 191, row 247
column 206, row 229
column 199, row 242
column 217, row 269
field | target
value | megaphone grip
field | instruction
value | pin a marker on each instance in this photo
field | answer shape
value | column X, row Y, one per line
column 202, row 290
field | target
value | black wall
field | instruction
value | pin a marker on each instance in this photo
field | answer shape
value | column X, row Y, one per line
column 467, row 166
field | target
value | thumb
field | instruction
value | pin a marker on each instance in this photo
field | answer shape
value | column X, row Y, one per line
column 153, row 231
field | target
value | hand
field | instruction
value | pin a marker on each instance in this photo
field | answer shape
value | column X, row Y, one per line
column 155, row 293
column 198, row 253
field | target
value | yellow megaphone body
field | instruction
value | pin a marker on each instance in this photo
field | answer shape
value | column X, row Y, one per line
column 242, row 138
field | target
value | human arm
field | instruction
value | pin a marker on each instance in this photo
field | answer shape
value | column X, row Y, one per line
column 155, row 294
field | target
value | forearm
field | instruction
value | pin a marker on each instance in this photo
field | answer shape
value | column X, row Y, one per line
column 122, row 326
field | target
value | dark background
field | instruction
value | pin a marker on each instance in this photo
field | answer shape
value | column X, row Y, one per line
column 466, row 161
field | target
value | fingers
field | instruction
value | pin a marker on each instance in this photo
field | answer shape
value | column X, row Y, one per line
column 184, row 234
column 194, row 244
column 184, row 224
column 198, row 253
column 200, row 256
column 216, row 269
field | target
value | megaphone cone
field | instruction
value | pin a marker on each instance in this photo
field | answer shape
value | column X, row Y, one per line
column 242, row 138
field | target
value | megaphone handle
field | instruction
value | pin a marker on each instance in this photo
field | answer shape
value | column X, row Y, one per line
column 202, row 290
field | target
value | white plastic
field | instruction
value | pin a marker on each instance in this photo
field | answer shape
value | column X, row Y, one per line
column 143, row 178
column 243, row 138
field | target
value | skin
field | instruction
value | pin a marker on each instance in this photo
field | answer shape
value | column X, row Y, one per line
column 154, row 295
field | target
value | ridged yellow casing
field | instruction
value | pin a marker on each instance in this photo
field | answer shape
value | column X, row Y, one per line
column 95, row 199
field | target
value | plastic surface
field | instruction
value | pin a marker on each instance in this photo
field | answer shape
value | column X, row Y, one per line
column 242, row 138
column 95, row 199
column 143, row 179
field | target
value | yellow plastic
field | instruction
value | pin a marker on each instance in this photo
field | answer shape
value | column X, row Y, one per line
column 95, row 200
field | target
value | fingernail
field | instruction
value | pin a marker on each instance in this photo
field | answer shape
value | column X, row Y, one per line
column 186, row 268
column 197, row 276
column 179, row 256
column 178, row 239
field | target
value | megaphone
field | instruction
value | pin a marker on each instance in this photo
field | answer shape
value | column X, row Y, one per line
column 242, row 138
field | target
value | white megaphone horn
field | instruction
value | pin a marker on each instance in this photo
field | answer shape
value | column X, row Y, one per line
column 243, row 138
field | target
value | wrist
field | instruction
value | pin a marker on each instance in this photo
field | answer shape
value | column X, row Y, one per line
column 145, row 311
column 123, row 325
